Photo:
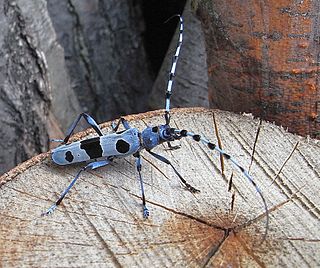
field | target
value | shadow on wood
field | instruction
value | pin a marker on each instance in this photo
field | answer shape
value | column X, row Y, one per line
column 100, row 222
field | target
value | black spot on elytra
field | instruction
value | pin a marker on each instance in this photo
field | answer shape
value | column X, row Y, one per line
column 155, row 129
column 92, row 147
column 122, row 146
column 69, row 157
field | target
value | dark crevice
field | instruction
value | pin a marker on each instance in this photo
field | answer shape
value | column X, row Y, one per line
column 159, row 34
column 215, row 248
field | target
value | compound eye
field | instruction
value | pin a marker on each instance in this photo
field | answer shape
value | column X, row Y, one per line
column 155, row 129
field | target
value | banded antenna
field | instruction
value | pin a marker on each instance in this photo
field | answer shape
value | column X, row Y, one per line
column 173, row 69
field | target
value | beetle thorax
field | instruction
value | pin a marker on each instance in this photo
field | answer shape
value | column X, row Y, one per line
column 153, row 136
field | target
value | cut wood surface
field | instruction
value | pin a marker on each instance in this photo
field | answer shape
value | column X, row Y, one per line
column 100, row 223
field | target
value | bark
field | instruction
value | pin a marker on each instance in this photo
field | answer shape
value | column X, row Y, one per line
column 27, row 73
column 105, row 54
column 100, row 223
column 263, row 59
column 191, row 80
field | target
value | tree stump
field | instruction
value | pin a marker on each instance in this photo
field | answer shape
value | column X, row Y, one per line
column 100, row 222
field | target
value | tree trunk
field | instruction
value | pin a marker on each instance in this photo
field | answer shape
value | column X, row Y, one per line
column 30, row 83
column 100, row 223
column 105, row 54
column 263, row 58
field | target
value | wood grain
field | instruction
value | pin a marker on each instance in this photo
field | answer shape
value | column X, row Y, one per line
column 100, row 224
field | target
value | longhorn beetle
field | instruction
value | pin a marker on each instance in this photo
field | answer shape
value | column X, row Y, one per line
column 103, row 149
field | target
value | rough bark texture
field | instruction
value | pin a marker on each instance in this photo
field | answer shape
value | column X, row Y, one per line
column 263, row 58
column 100, row 224
column 105, row 54
column 191, row 81
column 28, row 65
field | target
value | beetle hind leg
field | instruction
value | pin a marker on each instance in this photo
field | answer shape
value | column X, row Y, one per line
column 90, row 166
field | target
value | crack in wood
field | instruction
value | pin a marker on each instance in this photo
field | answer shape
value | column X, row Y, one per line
column 181, row 213
column 215, row 124
column 215, row 248
column 285, row 162
column 254, row 144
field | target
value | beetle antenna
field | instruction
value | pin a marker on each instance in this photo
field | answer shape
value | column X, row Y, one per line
column 173, row 69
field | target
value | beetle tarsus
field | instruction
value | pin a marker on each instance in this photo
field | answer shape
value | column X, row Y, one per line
column 50, row 210
column 145, row 212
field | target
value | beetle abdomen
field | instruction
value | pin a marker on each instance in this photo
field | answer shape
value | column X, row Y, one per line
column 116, row 145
